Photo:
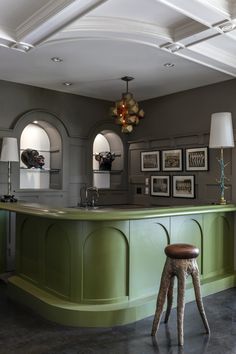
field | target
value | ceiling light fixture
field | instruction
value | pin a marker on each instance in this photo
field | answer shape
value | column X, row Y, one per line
column 57, row 59
column 172, row 47
column 67, row 83
column 126, row 111
column 22, row 47
column 226, row 27
column 169, row 65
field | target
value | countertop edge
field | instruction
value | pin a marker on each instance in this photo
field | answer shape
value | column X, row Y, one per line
column 112, row 213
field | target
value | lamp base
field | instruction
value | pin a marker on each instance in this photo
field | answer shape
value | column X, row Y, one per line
column 222, row 201
column 8, row 199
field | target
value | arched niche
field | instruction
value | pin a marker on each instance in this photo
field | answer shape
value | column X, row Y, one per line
column 45, row 139
column 44, row 132
column 108, row 141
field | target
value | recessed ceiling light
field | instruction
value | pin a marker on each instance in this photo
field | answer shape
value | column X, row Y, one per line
column 21, row 46
column 57, row 59
column 225, row 26
column 35, row 122
column 169, row 65
column 67, row 83
column 172, row 47
column 229, row 27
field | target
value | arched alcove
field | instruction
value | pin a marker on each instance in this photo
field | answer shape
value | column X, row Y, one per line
column 35, row 137
column 108, row 141
column 42, row 137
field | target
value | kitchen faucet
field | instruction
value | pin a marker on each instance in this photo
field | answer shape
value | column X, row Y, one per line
column 88, row 196
column 93, row 191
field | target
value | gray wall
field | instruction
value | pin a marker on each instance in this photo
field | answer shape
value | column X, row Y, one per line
column 182, row 120
column 186, row 112
column 176, row 121
column 79, row 114
column 77, row 118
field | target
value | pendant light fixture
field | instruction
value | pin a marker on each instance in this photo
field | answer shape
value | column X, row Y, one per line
column 126, row 111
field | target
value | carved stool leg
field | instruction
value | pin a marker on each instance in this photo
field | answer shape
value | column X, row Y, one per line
column 180, row 305
column 169, row 299
column 197, row 289
column 164, row 286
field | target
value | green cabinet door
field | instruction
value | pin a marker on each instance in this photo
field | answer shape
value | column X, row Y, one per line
column 148, row 238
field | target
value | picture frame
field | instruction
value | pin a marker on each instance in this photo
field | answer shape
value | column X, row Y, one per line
column 183, row 186
column 160, row 186
column 150, row 160
column 196, row 159
column 172, row 160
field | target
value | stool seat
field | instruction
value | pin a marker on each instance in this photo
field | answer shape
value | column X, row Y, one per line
column 181, row 251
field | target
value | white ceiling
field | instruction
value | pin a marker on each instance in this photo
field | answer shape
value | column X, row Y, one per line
column 102, row 40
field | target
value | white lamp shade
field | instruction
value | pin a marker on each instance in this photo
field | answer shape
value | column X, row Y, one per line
column 9, row 149
column 221, row 133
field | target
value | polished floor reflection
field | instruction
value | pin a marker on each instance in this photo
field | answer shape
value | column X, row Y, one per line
column 22, row 332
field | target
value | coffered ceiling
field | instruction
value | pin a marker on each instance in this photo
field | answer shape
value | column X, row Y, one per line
column 166, row 45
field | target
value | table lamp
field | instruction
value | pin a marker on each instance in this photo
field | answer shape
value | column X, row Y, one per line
column 221, row 137
column 9, row 154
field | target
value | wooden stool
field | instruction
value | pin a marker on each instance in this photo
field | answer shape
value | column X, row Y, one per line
column 180, row 262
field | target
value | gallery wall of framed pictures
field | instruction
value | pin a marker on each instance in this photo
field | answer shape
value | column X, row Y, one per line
column 160, row 186
column 150, row 160
column 172, row 160
column 196, row 159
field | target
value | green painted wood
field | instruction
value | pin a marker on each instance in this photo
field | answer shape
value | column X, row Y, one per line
column 28, row 249
column 107, row 272
column 148, row 238
column 218, row 245
column 71, row 314
column 188, row 229
column 112, row 213
column 105, row 266
column 57, row 260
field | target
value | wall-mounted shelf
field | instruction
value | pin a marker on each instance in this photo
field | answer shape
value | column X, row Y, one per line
column 111, row 172
column 50, row 151
column 40, row 170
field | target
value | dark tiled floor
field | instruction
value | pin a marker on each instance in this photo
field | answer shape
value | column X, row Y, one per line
column 22, row 332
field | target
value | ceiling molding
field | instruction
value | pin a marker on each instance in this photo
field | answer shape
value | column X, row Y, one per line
column 6, row 42
column 52, row 18
column 221, row 6
column 198, row 10
column 52, row 8
column 188, row 30
column 199, row 37
column 152, row 35
column 204, row 60
column 215, row 53
column 141, row 37
column 7, row 33
column 108, row 27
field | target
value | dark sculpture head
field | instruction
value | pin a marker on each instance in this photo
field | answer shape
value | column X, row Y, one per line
column 31, row 158
column 105, row 160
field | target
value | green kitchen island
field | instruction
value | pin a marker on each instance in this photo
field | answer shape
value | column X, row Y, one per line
column 102, row 267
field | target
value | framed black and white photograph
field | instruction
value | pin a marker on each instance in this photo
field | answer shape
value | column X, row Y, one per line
column 150, row 160
column 160, row 186
column 183, row 186
column 172, row 160
column 197, row 159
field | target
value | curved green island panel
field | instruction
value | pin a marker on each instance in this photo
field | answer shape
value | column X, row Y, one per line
column 102, row 267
